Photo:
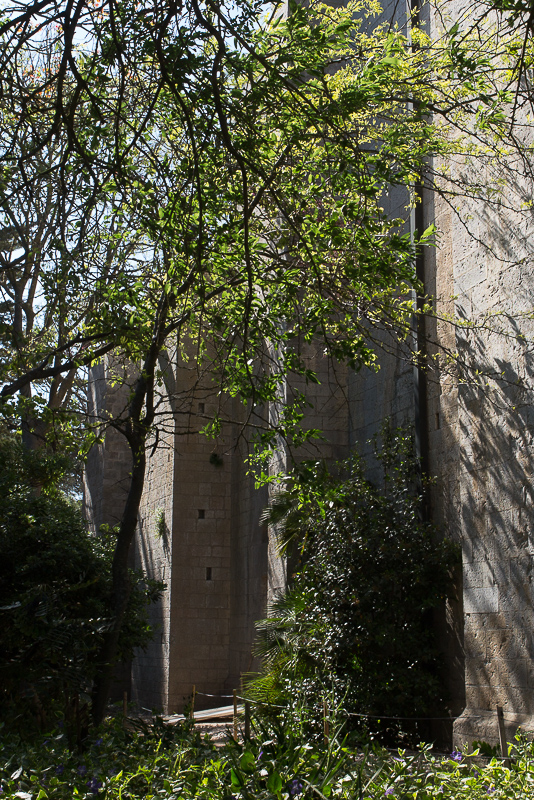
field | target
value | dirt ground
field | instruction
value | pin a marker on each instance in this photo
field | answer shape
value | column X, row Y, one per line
column 217, row 731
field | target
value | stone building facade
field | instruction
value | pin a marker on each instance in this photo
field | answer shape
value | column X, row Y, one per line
column 200, row 526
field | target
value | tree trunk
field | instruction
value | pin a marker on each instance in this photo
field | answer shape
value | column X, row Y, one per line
column 121, row 582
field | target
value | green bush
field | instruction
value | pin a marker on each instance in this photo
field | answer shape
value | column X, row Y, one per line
column 152, row 761
column 55, row 591
column 356, row 625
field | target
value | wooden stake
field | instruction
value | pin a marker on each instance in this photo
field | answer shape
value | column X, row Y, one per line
column 192, row 711
column 326, row 725
column 247, row 720
column 247, row 709
column 125, row 704
column 78, row 722
column 235, row 714
column 502, row 736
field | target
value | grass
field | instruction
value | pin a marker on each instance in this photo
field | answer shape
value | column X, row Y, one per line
column 159, row 761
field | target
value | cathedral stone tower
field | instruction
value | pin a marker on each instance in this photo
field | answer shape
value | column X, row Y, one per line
column 473, row 414
column 199, row 530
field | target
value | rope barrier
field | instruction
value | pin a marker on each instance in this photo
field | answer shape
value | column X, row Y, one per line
column 344, row 711
column 415, row 719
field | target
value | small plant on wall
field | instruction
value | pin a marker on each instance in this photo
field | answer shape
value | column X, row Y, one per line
column 368, row 572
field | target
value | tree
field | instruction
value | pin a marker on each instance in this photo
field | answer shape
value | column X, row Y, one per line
column 224, row 173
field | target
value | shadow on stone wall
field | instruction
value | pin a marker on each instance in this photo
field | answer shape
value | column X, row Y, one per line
column 150, row 667
column 495, row 437
column 481, row 433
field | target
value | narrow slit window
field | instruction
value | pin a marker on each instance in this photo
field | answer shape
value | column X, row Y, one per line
column 208, row 573
column 201, row 513
column 201, row 408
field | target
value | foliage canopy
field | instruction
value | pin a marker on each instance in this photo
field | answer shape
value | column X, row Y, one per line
column 214, row 171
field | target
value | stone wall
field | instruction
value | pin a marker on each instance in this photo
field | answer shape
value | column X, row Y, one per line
column 481, row 433
column 153, row 552
column 200, row 531
column 106, row 475
column 212, row 554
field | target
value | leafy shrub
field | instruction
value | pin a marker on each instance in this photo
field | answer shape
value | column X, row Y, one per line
column 277, row 764
column 55, row 590
column 356, row 624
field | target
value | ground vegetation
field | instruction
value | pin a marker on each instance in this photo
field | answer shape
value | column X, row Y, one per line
column 154, row 760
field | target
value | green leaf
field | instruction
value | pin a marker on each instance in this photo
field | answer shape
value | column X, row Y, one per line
column 430, row 231
column 235, row 779
column 274, row 783
column 247, row 762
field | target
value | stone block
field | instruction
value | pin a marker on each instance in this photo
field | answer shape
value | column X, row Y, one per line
column 513, row 700
column 475, row 643
column 513, row 599
column 478, row 574
column 217, row 600
column 481, row 600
